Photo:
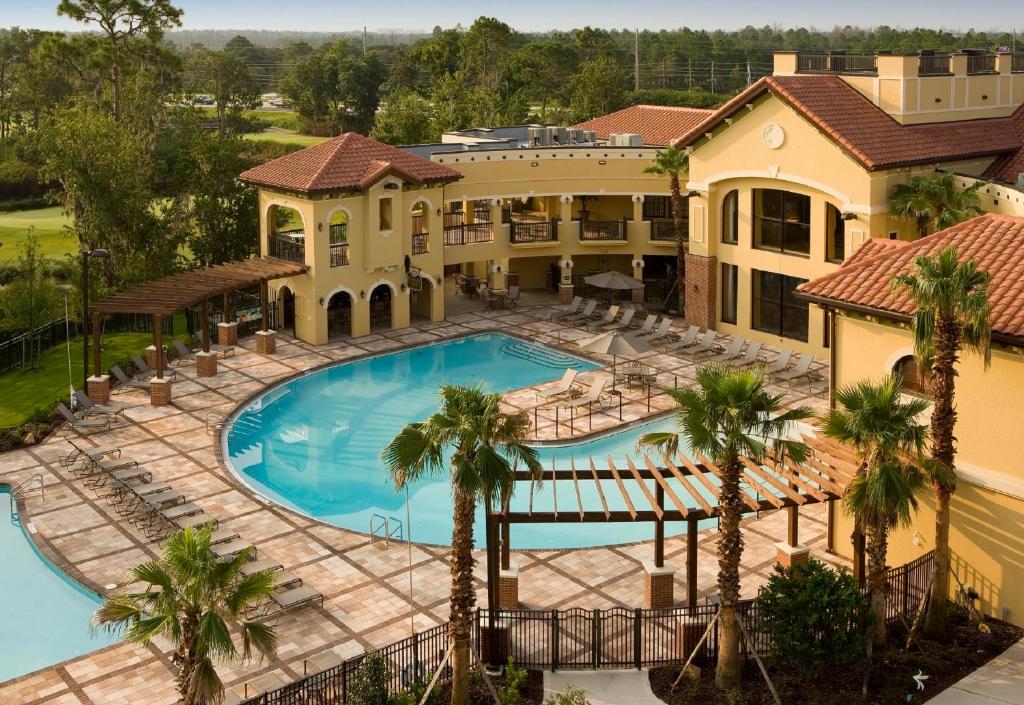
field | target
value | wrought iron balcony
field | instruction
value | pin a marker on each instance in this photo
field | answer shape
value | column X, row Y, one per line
column 533, row 231
column 468, row 234
column 663, row 230
column 933, row 65
column 981, row 64
column 603, row 229
column 339, row 254
column 835, row 62
column 289, row 245
column 420, row 243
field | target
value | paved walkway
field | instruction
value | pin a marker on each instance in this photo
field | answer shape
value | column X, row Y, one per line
column 998, row 682
column 365, row 585
column 627, row 687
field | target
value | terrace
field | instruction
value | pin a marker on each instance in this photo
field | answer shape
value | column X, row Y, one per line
column 968, row 62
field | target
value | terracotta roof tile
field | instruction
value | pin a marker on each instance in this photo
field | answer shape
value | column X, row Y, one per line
column 995, row 242
column 1009, row 167
column 657, row 124
column 874, row 246
column 867, row 132
column 350, row 162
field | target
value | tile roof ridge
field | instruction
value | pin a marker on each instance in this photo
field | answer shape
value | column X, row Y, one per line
column 336, row 143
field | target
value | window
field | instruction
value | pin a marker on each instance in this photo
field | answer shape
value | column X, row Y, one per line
column 384, row 209
column 730, row 283
column 914, row 382
column 782, row 221
column 339, row 228
column 835, row 232
column 775, row 309
column 731, row 218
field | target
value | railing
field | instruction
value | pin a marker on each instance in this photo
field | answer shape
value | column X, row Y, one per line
column 249, row 320
column 339, row 233
column 836, row 63
column 533, row 231
column 933, row 64
column 339, row 254
column 603, row 229
column 420, row 243
column 663, row 230
column 1017, row 63
column 468, row 234
column 981, row 63
column 285, row 246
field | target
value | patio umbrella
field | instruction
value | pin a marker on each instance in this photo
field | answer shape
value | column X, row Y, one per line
column 613, row 280
column 615, row 343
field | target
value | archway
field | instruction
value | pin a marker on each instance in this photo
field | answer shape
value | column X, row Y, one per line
column 286, row 310
column 381, row 307
column 286, row 233
column 339, row 315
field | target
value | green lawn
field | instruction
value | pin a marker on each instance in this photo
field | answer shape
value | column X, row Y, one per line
column 49, row 224
column 277, row 134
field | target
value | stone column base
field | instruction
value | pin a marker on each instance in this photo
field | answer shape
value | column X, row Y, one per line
column 638, row 296
column 508, row 588
column 227, row 333
column 206, row 364
column 98, row 389
column 565, row 293
column 787, row 556
column 159, row 391
column 266, row 342
column 151, row 357
column 659, row 586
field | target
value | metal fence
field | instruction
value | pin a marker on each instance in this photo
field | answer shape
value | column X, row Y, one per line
column 249, row 320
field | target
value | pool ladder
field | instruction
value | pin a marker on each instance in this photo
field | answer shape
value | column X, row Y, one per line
column 387, row 528
column 24, row 486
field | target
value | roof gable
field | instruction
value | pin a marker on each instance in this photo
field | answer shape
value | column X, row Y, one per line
column 657, row 124
column 1009, row 167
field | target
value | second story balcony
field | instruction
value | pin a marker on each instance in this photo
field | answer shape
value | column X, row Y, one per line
column 603, row 230
column 837, row 62
column 663, row 230
column 289, row 245
column 523, row 231
column 420, row 243
column 468, row 233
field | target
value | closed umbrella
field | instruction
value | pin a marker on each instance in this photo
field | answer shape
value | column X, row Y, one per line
column 615, row 343
column 613, row 280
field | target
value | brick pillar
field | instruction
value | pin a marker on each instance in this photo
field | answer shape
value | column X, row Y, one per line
column 266, row 342
column 701, row 277
column 227, row 333
column 565, row 293
column 160, row 391
column 508, row 588
column 638, row 296
column 206, row 364
column 659, row 584
column 98, row 389
column 151, row 356
column 787, row 556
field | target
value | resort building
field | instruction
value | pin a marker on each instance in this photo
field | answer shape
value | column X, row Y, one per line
column 872, row 337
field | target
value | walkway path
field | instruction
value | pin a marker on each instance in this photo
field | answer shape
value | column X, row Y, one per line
column 630, row 687
column 998, row 682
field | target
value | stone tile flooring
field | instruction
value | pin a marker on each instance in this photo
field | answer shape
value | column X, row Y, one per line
column 365, row 585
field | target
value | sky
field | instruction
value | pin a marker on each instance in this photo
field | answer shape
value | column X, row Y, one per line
column 539, row 15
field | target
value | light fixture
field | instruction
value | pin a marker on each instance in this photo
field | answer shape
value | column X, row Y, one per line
column 403, row 287
column 847, row 215
column 440, row 281
column 362, row 294
column 320, row 227
column 602, row 162
column 691, row 194
column 321, row 301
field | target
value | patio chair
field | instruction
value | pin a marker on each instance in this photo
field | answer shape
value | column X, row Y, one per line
column 127, row 382
column 105, row 470
column 583, row 315
column 513, row 297
column 657, row 334
column 706, row 344
column 570, row 310
column 781, row 362
column 566, row 385
column 627, row 318
column 186, row 355
column 688, row 339
column 108, row 408
column 750, row 356
column 288, row 600
column 802, row 368
column 594, row 394
column 609, row 316
column 85, row 453
column 149, row 372
column 231, row 549
column 185, row 352
column 83, row 425
column 731, row 352
column 648, row 325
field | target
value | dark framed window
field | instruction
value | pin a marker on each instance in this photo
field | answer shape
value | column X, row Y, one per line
column 914, row 379
column 657, row 207
column 775, row 309
column 731, row 218
column 730, row 287
column 782, row 221
column 835, row 232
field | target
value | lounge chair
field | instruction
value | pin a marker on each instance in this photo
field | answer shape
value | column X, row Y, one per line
column 608, row 317
column 565, row 386
column 802, row 368
column 513, row 297
column 583, row 315
column 664, row 332
column 706, row 344
column 688, row 339
column 569, row 310
column 148, row 372
column 648, row 325
column 81, row 452
column 627, row 318
column 250, row 567
column 659, row 332
column 290, row 599
column 127, row 382
column 186, row 355
column 83, row 425
column 107, row 408
column 731, row 352
column 781, row 362
column 750, row 356
column 231, row 549
column 594, row 394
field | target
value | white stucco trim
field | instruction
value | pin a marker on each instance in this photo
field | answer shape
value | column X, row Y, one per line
column 343, row 209
column 991, row 480
column 353, row 296
column 895, row 357
column 416, row 198
column 843, row 199
column 391, row 285
column 283, row 203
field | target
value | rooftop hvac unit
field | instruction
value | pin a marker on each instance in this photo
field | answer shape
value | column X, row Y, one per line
column 557, row 135
column 589, row 136
column 625, row 139
column 577, row 136
column 1020, row 179
column 537, row 136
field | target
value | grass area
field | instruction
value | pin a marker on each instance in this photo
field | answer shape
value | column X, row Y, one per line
column 282, row 136
column 49, row 224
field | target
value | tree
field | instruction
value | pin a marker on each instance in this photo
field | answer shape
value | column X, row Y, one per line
column 935, row 202
column 484, row 47
column 31, row 298
column 672, row 162
column 882, row 428
column 730, row 417
column 483, row 446
column 451, row 107
column 226, row 75
column 952, row 314
column 405, row 118
column 600, row 88
column 194, row 599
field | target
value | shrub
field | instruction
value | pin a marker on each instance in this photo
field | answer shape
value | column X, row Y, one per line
column 814, row 615
column 571, row 696
column 370, row 685
column 515, row 678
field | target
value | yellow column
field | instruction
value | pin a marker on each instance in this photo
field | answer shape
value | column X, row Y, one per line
column 400, row 307
column 436, row 299
column 361, row 316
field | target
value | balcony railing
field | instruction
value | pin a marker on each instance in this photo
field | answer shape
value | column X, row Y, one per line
column 603, row 229
column 533, row 231
column 339, row 254
column 420, row 243
column 836, row 63
column 981, row 63
column 468, row 234
column 1017, row 63
column 339, row 233
column 933, row 65
column 664, row 230
column 289, row 245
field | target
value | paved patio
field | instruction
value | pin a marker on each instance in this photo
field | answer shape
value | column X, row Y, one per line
column 365, row 585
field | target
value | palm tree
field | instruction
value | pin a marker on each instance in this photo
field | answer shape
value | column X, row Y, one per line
column 882, row 428
column 952, row 314
column 730, row 416
column 673, row 161
column 935, row 202
column 193, row 599
column 486, row 445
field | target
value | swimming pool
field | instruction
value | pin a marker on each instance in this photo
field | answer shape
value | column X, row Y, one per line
column 44, row 615
column 313, row 443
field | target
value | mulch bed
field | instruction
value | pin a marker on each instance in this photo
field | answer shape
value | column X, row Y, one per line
column 892, row 673
column 532, row 692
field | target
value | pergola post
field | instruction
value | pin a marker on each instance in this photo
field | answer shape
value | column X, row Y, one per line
column 97, row 387
column 159, row 387
column 227, row 329
column 206, row 325
column 659, row 579
column 206, row 361
column 494, row 651
column 266, row 342
column 791, row 552
column 691, row 562
column 506, row 548
column 659, row 530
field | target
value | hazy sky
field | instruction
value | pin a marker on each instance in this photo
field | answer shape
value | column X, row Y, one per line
column 340, row 15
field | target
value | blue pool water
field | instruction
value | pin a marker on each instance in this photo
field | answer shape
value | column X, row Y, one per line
column 313, row 444
column 44, row 615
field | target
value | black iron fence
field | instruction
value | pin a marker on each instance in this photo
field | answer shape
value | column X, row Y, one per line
column 603, row 229
column 339, row 254
column 250, row 320
column 663, row 230
column 981, row 63
column 933, row 64
column 836, row 62
column 290, row 245
column 533, row 231
column 468, row 233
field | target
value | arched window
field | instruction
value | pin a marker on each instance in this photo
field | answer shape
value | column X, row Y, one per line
column 915, row 381
column 835, row 232
column 731, row 217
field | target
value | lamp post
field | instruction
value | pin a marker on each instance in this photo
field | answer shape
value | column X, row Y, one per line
column 86, row 254
column 66, row 289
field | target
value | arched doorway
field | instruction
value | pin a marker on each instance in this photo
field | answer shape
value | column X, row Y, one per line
column 286, row 233
column 286, row 310
column 339, row 315
column 381, row 307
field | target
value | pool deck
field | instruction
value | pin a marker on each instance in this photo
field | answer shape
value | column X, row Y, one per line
column 365, row 585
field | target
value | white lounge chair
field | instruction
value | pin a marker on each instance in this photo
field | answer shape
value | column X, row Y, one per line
column 731, row 352
column 660, row 332
column 648, row 325
column 706, row 344
column 751, row 355
column 565, row 386
column 663, row 333
column 569, row 310
column 781, row 362
column 583, row 315
column 609, row 316
column 594, row 394
column 623, row 323
column 688, row 339
column 802, row 368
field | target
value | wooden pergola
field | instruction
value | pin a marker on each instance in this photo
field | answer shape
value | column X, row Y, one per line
column 682, row 491
column 164, row 297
